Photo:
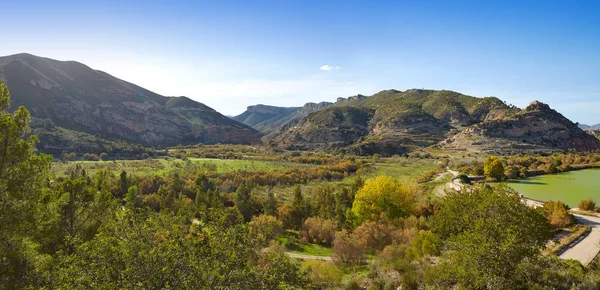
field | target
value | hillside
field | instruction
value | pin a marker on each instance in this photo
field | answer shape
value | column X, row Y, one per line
column 269, row 120
column 395, row 122
column 77, row 98
column 535, row 127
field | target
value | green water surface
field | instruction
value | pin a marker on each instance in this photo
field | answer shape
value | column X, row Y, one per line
column 569, row 187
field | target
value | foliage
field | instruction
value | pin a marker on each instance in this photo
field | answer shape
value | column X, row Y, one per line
column 384, row 197
column 323, row 274
column 346, row 250
column 488, row 232
column 265, row 228
column 493, row 168
column 558, row 214
column 374, row 236
column 318, row 231
column 426, row 243
column 23, row 176
column 587, row 204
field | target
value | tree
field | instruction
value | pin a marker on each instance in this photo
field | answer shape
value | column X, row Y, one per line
column 493, row 168
column 270, row 206
column 133, row 199
column 342, row 204
column 23, row 177
column 243, row 202
column 318, row 231
column 298, row 208
column 103, row 156
column 488, row 232
column 383, row 196
column 265, row 228
column 123, row 185
column 426, row 243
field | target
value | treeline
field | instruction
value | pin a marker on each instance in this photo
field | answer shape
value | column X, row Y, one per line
column 525, row 166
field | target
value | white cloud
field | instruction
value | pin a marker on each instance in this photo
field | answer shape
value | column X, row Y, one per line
column 329, row 68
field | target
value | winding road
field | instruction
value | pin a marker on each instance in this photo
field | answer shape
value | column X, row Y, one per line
column 586, row 249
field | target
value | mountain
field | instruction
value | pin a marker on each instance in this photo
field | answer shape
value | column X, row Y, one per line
column 587, row 127
column 395, row 122
column 269, row 120
column 535, row 127
column 79, row 99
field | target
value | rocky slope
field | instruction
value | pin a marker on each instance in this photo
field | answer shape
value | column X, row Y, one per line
column 78, row 98
column 537, row 127
column 270, row 120
column 391, row 121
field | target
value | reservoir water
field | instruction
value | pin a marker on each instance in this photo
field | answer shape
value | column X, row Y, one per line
column 568, row 187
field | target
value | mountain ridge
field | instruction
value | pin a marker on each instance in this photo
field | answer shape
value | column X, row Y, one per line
column 76, row 97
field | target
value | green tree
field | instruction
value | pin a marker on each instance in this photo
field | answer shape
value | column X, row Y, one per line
column 123, row 185
column 488, row 232
column 165, row 251
column 383, row 196
column 270, row 206
column 493, row 168
column 23, row 177
column 243, row 202
column 426, row 243
column 342, row 204
column 298, row 208
column 133, row 199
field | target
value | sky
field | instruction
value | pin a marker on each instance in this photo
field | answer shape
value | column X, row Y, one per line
column 233, row 54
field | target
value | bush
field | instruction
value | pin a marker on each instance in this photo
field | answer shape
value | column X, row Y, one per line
column 558, row 214
column 373, row 236
column 587, row 204
column 103, row 156
column 324, row 274
column 91, row 157
column 464, row 179
column 346, row 250
column 319, row 231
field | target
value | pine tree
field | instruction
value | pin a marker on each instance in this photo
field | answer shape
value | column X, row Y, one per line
column 270, row 206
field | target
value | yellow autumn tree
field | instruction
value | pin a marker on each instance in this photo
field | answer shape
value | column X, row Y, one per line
column 493, row 168
column 383, row 196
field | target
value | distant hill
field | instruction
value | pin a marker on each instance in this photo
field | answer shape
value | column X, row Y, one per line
column 269, row 120
column 77, row 98
column 588, row 127
column 535, row 127
column 395, row 122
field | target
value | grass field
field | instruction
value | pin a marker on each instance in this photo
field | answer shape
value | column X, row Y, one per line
column 161, row 166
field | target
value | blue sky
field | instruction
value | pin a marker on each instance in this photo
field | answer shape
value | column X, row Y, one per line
column 232, row 54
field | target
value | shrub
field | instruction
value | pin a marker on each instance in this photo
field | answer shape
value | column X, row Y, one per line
column 325, row 274
column 558, row 214
column 319, row 231
column 103, row 156
column 284, row 212
column 91, row 157
column 587, row 204
column 346, row 250
column 464, row 179
column 373, row 236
